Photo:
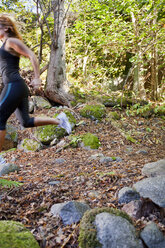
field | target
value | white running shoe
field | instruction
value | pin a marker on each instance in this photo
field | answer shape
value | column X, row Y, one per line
column 64, row 122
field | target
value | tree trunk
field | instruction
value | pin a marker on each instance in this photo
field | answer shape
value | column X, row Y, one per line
column 138, row 86
column 154, row 63
column 55, row 88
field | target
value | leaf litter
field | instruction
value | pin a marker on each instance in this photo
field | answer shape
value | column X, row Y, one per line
column 79, row 177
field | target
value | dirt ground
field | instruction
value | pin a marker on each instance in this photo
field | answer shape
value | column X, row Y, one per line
column 79, row 178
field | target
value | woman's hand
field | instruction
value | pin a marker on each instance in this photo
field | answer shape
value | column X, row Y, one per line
column 36, row 83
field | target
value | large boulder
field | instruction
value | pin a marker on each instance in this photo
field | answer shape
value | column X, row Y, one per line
column 70, row 212
column 107, row 228
column 15, row 235
column 154, row 169
column 152, row 188
column 114, row 231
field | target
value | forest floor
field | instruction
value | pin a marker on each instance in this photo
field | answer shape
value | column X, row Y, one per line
column 79, row 178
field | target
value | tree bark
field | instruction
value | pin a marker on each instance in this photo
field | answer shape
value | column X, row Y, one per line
column 154, row 63
column 56, row 84
column 138, row 86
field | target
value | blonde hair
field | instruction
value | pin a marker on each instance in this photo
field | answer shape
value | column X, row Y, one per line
column 12, row 30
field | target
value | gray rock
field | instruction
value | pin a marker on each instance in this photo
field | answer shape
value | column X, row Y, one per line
column 30, row 145
column 127, row 195
column 133, row 209
column 154, row 169
column 143, row 152
column 41, row 102
column 152, row 236
column 70, row 212
column 60, row 161
column 96, row 156
column 106, row 160
column 52, row 183
column 118, row 159
column 7, row 168
column 116, row 232
column 152, row 188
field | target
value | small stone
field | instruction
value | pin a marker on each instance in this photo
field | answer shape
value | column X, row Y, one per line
column 52, row 183
column 118, row 159
column 106, row 160
column 129, row 149
column 93, row 194
column 7, row 168
column 70, row 212
column 60, row 161
column 143, row 152
column 133, row 209
column 97, row 156
column 127, row 195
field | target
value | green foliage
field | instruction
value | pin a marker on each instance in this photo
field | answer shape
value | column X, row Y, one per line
column 9, row 184
column 131, row 139
column 146, row 110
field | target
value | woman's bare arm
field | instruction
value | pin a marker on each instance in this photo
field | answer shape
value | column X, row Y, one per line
column 19, row 47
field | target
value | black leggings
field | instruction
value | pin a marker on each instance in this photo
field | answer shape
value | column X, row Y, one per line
column 14, row 98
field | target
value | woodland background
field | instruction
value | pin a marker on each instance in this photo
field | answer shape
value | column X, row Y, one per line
column 105, row 45
column 89, row 51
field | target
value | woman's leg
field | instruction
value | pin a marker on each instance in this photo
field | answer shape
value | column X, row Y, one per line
column 41, row 121
column 22, row 114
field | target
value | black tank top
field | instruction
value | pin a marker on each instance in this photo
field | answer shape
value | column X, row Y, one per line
column 9, row 66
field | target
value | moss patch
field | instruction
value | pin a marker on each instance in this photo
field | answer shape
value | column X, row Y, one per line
column 88, row 232
column 94, row 112
column 15, row 235
column 47, row 133
column 30, row 145
column 91, row 140
column 114, row 115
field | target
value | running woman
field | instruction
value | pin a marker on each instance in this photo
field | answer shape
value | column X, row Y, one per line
column 14, row 96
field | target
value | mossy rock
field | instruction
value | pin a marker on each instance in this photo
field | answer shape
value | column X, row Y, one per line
column 41, row 102
column 45, row 134
column 30, row 145
column 94, row 112
column 11, row 133
column 75, row 140
column 15, row 235
column 11, row 137
column 90, row 140
column 114, row 115
column 88, row 233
